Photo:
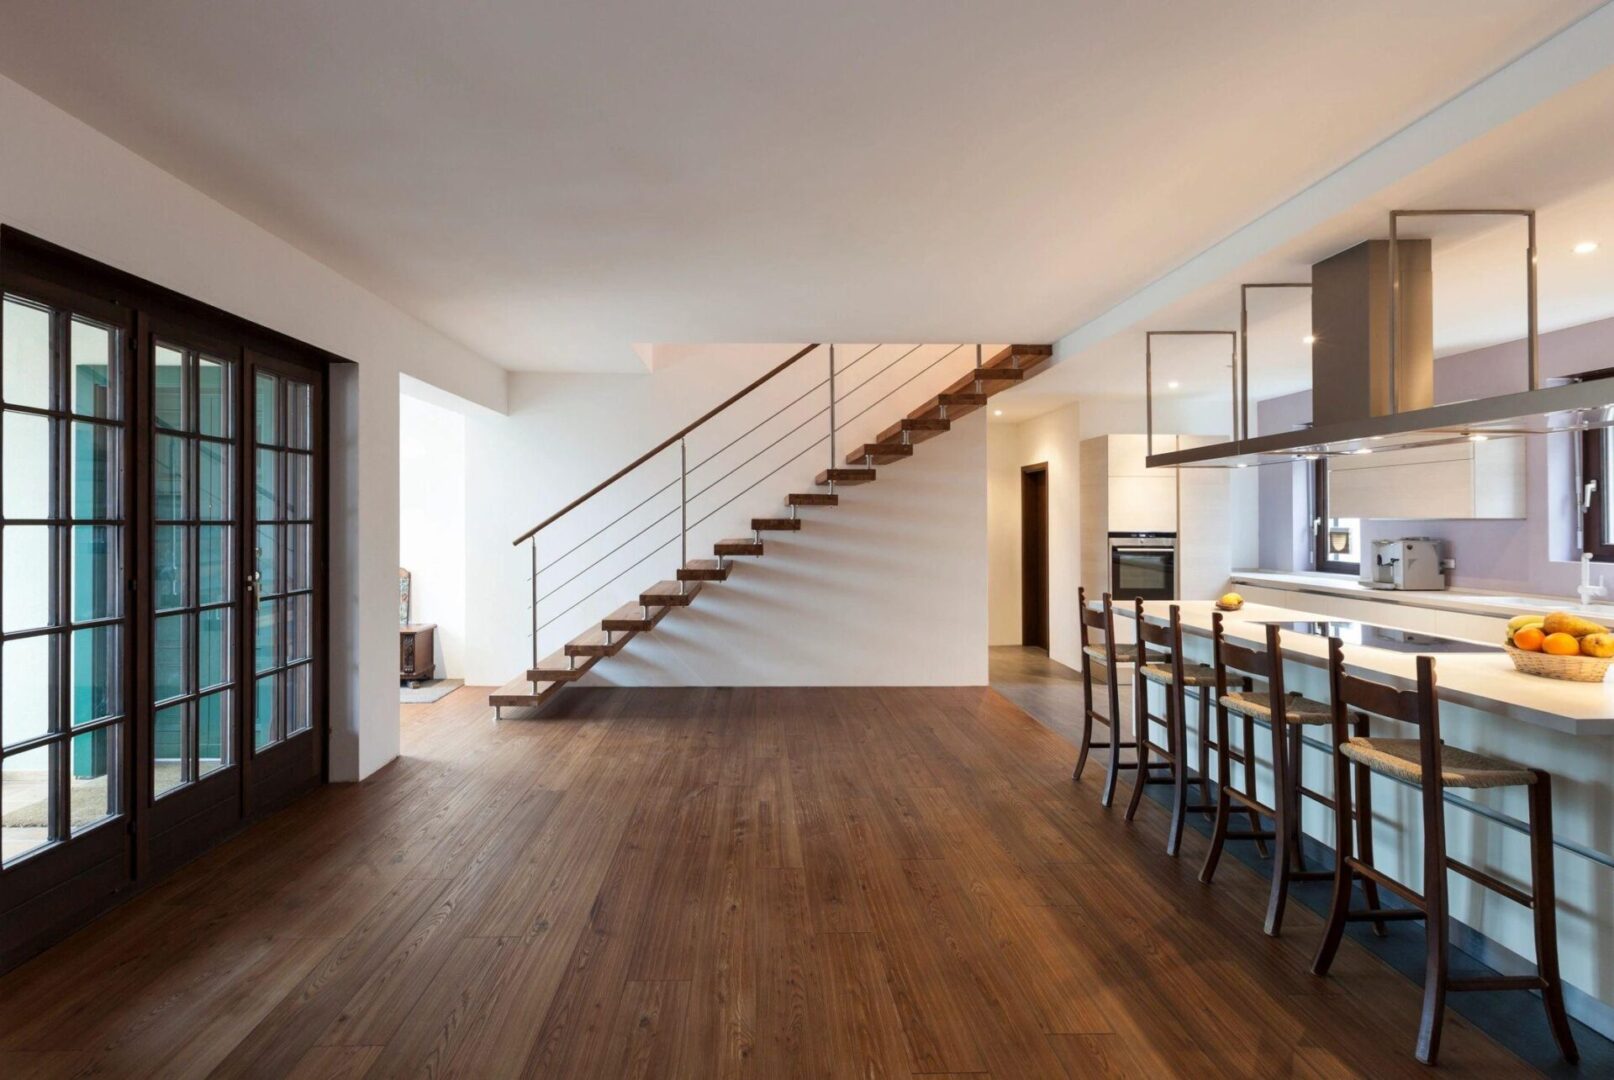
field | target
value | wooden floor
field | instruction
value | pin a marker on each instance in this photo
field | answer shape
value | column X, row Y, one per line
column 713, row 883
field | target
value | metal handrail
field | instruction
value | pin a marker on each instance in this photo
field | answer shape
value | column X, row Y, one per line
column 658, row 448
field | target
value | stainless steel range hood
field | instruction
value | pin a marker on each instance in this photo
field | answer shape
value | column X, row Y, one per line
column 1373, row 367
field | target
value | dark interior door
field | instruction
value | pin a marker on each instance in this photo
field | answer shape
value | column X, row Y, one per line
column 1034, row 556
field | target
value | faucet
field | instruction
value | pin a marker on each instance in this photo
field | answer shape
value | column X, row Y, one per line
column 1586, row 589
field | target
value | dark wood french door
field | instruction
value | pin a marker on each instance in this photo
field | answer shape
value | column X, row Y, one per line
column 162, row 588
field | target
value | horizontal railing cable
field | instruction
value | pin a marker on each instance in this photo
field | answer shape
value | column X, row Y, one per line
column 723, row 505
column 707, row 460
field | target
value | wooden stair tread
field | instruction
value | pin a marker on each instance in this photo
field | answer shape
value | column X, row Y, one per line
column 958, row 404
column 845, row 476
column 812, row 498
column 916, row 429
column 523, row 691
column 739, row 545
column 599, row 642
column 705, row 570
column 989, row 380
column 882, row 453
column 561, row 668
column 666, row 593
column 1024, row 357
column 632, row 617
column 781, row 524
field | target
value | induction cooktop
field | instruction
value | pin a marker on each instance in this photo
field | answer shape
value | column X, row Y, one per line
column 1382, row 637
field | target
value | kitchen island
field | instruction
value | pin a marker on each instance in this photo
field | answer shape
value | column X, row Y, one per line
column 1564, row 728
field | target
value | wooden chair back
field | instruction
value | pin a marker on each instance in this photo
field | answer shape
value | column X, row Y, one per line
column 1167, row 640
column 1247, row 662
column 1365, row 698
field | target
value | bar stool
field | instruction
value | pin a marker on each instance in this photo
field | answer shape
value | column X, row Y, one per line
column 1112, row 655
column 1169, row 671
column 1432, row 767
column 1285, row 714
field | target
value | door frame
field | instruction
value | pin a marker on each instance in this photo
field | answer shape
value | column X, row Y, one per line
column 1033, row 631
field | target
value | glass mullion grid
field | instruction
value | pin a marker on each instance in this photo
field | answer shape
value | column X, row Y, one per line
column 191, row 609
column 60, row 622
column 283, row 666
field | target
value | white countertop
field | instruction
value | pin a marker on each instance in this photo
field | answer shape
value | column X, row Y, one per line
column 1470, row 601
column 1486, row 681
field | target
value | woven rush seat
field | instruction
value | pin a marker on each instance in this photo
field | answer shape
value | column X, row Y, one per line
column 1124, row 654
column 1296, row 709
column 1458, row 768
column 1193, row 674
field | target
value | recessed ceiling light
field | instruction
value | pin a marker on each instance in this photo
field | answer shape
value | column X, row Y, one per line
column 1309, row 339
column 997, row 412
column 1311, row 457
column 1244, row 464
column 1363, row 450
column 1585, row 247
column 1173, row 384
column 1479, row 438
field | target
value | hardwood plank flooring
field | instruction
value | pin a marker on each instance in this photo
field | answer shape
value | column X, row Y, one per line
column 748, row 883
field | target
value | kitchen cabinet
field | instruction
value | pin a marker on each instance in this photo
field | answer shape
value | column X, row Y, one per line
column 1458, row 480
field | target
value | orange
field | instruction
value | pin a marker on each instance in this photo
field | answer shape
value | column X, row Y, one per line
column 1561, row 645
column 1528, row 638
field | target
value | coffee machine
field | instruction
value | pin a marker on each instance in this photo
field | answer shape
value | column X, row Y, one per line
column 1411, row 562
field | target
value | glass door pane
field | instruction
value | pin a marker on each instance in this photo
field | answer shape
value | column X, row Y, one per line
column 62, row 536
column 283, row 468
column 193, row 541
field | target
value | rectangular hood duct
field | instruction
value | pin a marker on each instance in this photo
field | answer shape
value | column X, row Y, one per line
column 1351, row 318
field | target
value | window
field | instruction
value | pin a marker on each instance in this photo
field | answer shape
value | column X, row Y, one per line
column 1336, row 542
column 61, row 576
column 1597, row 509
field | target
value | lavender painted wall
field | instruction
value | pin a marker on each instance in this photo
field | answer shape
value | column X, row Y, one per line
column 1535, row 555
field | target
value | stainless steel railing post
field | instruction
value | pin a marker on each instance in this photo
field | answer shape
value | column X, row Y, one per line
column 832, row 461
column 683, row 511
column 535, row 601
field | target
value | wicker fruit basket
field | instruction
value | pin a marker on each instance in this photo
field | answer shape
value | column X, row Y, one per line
column 1569, row 668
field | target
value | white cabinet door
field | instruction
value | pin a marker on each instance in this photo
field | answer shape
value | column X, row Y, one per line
column 1457, row 480
column 1144, row 503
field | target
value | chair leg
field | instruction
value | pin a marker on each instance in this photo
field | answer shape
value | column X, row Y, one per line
column 1204, row 747
column 1112, row 770
column 1207, row 871
column 1546, row 916
column 1435, row 933
column 1087, row 718
column 1340, row 905
column 1292, row 770
column 1364, row 842
column 1140, row 736
column 1177, row 726
column 1283, row 834
column 1249, row 777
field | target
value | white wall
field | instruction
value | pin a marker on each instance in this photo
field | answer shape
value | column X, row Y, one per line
column 1003, row 584
column 886, row 589
column 71, row 185
column 431, row 523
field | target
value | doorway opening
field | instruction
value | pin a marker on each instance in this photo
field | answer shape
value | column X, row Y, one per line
column 1034, row 556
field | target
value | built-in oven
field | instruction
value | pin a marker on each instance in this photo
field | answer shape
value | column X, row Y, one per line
column 1143, row 564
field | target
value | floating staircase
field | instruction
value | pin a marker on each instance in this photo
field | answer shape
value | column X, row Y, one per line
column 1009, row 367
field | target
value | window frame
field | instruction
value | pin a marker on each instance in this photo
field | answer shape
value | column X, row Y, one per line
column 1319, row 526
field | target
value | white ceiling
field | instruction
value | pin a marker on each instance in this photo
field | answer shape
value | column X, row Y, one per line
column 1556, row 158
column 551, row 183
